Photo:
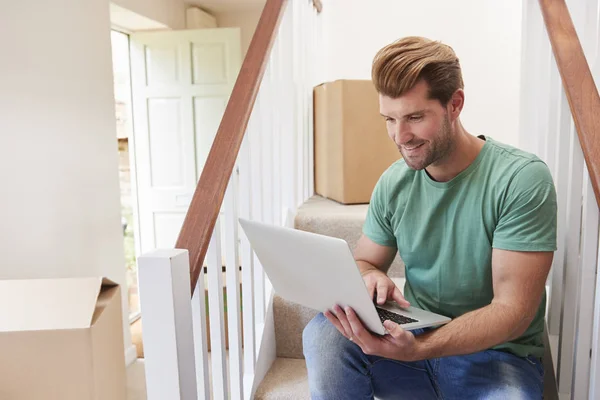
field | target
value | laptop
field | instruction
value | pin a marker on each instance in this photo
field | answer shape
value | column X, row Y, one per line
column 319, row 271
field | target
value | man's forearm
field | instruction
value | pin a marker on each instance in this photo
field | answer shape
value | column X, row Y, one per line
column 475, row 331
column 364, row 266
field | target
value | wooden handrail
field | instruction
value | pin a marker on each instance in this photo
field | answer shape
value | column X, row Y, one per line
column 578, row 82
column 204, row 209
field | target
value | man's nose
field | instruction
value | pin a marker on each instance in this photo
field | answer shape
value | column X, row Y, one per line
column 402, row 134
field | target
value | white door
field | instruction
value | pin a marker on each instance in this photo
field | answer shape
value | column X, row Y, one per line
column 181, row 82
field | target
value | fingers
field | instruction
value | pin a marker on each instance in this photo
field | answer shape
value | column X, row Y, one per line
column 371, row 289
column 338, row 318
column 341, row 316
column 382, row 290
column 400, row 339
column 335, row 322
column 399, row 298
column 393, row 329
column 361, row 336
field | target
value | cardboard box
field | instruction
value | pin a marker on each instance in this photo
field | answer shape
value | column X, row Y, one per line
column 352, row 147
column 61, row 339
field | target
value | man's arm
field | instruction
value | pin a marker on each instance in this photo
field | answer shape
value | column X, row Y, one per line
column 370, row 255
column 519, row 281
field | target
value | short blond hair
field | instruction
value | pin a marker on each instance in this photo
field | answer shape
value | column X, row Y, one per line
column 400, row 65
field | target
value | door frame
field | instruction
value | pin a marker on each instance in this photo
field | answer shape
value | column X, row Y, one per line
column 132, row 163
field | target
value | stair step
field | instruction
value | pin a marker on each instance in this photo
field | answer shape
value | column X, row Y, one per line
column 286, row 380
column 290, row 320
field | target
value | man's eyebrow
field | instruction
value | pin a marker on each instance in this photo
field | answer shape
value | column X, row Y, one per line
column 423, row 111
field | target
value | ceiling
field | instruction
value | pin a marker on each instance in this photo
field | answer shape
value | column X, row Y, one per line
column 219, row 6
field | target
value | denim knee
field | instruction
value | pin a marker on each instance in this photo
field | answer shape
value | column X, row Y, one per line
column 321, row 339
column 332, row 360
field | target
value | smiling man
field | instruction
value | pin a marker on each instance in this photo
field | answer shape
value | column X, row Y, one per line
column 474, row 220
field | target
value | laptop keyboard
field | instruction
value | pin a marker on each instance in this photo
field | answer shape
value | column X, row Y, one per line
column 397, row 318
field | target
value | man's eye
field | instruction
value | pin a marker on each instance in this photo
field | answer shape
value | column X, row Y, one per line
column 415, row 118
column 388, row 119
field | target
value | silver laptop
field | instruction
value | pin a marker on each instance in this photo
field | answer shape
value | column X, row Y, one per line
column 319, row 271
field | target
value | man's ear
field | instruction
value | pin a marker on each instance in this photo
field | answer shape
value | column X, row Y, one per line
column 456, row 104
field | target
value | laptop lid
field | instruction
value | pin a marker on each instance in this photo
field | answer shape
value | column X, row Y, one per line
column 314, row 270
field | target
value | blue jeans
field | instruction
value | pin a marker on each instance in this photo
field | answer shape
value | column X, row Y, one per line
column 338, row 369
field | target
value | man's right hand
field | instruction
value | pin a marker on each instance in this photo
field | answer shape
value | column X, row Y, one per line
column 379, row 283
column 372, row 260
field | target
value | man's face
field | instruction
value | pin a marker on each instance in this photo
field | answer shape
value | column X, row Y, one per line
column 419, row 126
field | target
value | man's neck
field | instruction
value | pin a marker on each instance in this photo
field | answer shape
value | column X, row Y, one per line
column 465, row 151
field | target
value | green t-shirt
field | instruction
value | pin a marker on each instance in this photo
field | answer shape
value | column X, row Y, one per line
column 445, row 231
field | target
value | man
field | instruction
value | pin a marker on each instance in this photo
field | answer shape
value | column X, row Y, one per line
column 474, row 221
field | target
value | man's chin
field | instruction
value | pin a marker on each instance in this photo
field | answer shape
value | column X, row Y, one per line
column 413, row 164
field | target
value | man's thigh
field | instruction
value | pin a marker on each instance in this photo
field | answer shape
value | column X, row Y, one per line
column 401, row 380
column 489, row 375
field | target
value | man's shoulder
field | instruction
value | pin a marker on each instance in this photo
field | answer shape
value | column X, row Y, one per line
column 510, row 163
column 503, row 153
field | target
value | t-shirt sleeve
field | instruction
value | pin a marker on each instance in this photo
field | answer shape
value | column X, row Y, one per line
column 377, row 225
column 527, row 220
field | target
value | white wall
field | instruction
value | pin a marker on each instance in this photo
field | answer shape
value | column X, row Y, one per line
column 167, row 12
column 485, row 34
column 60, row 206
column 245, row 20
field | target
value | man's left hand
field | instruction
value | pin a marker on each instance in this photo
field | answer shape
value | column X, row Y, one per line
column 398, row 344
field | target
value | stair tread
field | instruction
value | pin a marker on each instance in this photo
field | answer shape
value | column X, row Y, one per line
column 287, row 379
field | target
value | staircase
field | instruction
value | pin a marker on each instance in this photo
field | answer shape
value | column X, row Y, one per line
column 287, row 378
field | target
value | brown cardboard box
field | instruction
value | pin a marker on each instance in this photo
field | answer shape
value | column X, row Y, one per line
column 352, row 147
column 61, row 339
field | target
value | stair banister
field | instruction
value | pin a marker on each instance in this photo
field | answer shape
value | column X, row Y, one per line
column 206, row 203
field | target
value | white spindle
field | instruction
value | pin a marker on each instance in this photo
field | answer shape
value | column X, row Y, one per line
column 216, row 311
column 164, row 283
column 572, row 278
column 258, row 155
column 533, row 33
column 312, row 45
column 247, row 260
column 594, row 375
column 277, row 101
column 554, row 92
column 266, row 135
column 200, row 339
column 297, row 69
column 562, row 159
column 288, row 159
column 233, row 289
column 544, row 92
column 585, row 306
column 591, row 22
column 303, row 86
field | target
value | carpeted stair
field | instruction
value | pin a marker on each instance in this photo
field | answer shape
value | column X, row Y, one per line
column 287, row 378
